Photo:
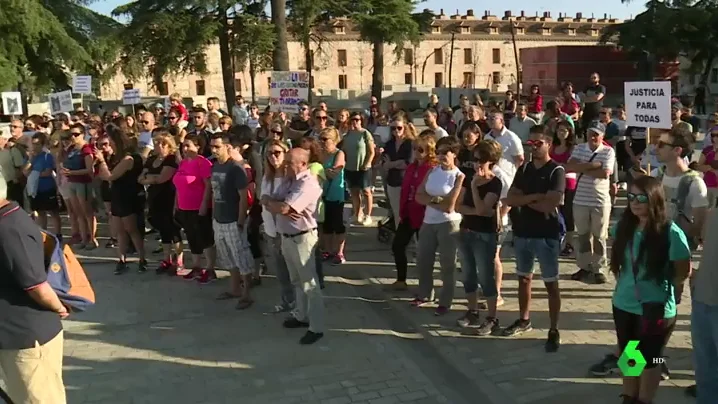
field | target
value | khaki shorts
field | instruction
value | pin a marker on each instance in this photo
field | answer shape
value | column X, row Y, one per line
column 34, row 375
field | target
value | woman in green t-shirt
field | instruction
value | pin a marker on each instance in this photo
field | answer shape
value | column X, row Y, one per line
column 651, row 262
column 358, row 147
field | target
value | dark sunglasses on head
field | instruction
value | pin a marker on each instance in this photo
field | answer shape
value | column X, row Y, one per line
column 640, row 198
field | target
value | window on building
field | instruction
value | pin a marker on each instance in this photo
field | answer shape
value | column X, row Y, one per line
column 438, row 79
column 199, row 87
column 436, row 30
column 520, row 30
column 493, row 30
column 342, row 57
column 496, row 77
column 468, row 80
column 409, row 57
column 164, row 89
column 438, row 56
column 468, row 56
column 339, row 30
column 714, row 75
column 465, row 30
column 571, row 31
column 129, row 86
column 343, row 82
column 496, row 56
column 238, row 85
column 594, row 32
column 546, row 31
column 407, row 78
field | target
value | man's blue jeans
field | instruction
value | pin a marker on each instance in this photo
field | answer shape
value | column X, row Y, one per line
column 704, row 332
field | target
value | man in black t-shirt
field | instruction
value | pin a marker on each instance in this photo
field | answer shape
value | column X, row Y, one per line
column 535, row 195
column 30, row 329
column 592, row 101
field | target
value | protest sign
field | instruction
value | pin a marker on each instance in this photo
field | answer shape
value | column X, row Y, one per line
column 287, row 89
column 131, row 96
column 12, row 103
column 82, row 84
column 648, row 104
column 61, row 102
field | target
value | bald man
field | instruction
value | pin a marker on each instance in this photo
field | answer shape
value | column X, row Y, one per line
column 295, row 204
column 147, row 123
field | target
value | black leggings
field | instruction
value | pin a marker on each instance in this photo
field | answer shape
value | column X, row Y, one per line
column 628, row 328
column 254, row 236
column 402, row 238
column 160, row 217
column 197, row 229
column 567, row 209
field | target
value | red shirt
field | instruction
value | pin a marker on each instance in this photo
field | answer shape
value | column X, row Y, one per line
column 409, row 209
column 536, row 104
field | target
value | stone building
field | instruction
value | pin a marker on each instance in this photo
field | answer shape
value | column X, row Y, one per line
column 483, row 56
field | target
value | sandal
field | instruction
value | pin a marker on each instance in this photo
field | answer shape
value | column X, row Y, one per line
column 226, row 296
column 244, row 304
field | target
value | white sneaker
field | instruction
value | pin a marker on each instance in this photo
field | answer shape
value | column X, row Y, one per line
column 367, row 221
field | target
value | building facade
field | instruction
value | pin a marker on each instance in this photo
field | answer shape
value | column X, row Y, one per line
column 482, row 57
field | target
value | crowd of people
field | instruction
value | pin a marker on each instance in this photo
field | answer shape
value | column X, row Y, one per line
column 251, row 191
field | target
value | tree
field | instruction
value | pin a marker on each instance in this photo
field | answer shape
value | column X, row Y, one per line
column 383, row 22
column 43, row 43
column 280, row 56
column 253, row 45
column 171, row 37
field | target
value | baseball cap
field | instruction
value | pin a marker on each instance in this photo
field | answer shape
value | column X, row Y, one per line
column 597, row 127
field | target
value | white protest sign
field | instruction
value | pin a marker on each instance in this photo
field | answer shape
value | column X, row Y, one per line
column 287, row 89
column 82, row 84
column 61, row 102
column 648, row 104
column 131, row 96
column 12, row 103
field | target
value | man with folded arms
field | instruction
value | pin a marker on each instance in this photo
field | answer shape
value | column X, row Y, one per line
column 295, row 203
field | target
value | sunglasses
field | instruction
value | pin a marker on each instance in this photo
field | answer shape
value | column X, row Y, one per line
column 323, row 118
column 171, row 118
column 145, row 122
column 277, row 132
column 276, row 153
column 76, row 134
column 397, row 128
column 640, row 198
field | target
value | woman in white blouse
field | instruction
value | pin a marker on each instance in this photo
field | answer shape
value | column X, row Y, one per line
column 272, row 179
column 440, row 230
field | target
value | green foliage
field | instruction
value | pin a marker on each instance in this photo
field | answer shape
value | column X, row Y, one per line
column 45, row 42
column 166, row 38
column 386, row 21
column 306, row 16
column 253, row 42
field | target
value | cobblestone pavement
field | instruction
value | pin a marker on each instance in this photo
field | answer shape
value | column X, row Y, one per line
column 154, row 339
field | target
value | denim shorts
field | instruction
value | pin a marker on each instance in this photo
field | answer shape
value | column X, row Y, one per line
column 476, row 255
column 544, row 250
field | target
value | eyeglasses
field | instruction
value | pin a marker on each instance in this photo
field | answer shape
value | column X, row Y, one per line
column 397, row 128
column 322, row 118
column 276, row 153
column 535, row 143
column 640, row 198
column 662, row 144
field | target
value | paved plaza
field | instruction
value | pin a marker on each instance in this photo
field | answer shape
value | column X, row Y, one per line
column 157, row 339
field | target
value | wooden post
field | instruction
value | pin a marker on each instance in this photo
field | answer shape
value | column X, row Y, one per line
column 648, row 144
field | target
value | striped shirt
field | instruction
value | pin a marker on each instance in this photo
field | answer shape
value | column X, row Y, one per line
column 590, row 191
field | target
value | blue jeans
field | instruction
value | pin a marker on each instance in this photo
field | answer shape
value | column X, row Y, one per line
column 476, row 255
column 704, row 332
column 545, row 250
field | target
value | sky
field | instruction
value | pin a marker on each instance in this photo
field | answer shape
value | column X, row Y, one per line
column 614, row 8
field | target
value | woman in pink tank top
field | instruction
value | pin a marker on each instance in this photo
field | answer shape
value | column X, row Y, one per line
column 563, row 141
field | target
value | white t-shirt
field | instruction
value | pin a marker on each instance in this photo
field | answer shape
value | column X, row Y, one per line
column 440, row 132
column 270, row 226
column 440, row 182
column 253, row 123
column 510, row 147
column 590, row 191
column 697, row 194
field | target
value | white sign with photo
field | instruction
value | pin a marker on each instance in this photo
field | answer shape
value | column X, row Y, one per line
column 61, row 102
column 131, row 96
column 12, row 103
column 82, row 84
column 648, row 104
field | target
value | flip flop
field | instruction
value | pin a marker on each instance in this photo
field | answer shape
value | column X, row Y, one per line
column 244, row 304
column 226, row 296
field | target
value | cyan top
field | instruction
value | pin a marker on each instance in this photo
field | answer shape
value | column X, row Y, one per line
column 334, row 187
column 624, row 296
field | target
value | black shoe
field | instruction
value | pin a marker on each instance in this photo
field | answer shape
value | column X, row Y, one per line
column 311, row 337
column 488, row 327
column 608, row 366
column 599, row 279
column 469, row 319
column 121, row 268
column 142, row 266
column 665, row 372
column 292, row 322
column 579, row 275
column 554, row 340
column 517, row 328
column 691, row 391
column 627, row 399
column 111, row 243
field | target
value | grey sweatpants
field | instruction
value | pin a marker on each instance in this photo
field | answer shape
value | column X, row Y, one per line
column 442, row 237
